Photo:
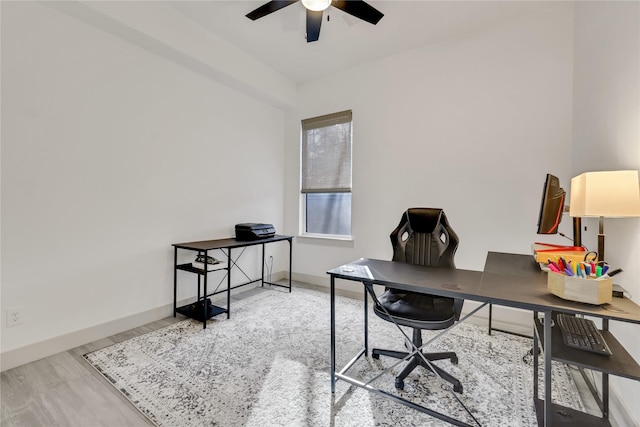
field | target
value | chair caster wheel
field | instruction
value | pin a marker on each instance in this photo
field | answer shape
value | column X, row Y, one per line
column 457, row 388
column 375, row 355
column 454, row 360
column 399, row 384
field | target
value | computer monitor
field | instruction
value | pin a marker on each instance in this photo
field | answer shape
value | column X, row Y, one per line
column 551, row 206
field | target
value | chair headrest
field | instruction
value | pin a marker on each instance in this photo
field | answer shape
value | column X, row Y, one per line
column 424, row 220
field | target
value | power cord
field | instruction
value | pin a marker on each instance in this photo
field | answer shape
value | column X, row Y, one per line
column 269, row 267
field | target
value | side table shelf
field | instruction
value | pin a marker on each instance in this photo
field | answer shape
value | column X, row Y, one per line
column 196, row 310
column 190, row 310
column 190, row 268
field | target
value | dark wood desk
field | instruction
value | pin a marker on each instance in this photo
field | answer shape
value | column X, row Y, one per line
column 509, row 280
column 225, row 245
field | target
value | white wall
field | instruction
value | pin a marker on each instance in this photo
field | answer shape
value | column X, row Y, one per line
column 111, row 153
column 104, row 144
column 606, row 135
column 471, row 124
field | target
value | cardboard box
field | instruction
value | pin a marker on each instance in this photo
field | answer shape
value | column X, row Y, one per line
column 572, row 288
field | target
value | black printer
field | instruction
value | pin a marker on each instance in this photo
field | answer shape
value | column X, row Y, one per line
column 254, row 231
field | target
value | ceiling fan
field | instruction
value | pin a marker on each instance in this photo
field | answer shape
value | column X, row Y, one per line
column 315, row 8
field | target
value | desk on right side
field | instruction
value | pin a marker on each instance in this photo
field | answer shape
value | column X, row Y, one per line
column 527, row 290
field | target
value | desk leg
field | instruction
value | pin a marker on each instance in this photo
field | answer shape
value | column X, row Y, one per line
column 366, row 321
column 535, row 358
column 175, row 280
column 262, row 281
column 490, row 316
column 229, row 283
column 290, row 258
column 204, row 300
column 547, row 368
column 333, row 334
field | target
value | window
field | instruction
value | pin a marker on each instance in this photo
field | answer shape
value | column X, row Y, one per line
column 326, row 174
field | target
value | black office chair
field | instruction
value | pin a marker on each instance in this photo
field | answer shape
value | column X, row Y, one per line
column 423, row 237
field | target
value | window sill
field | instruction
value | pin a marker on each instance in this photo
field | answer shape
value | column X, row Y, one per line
column 326, row 237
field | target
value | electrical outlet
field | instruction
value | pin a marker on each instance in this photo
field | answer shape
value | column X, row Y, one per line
column 14, row 316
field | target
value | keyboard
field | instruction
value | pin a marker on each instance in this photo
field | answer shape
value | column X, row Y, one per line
column 582, row 334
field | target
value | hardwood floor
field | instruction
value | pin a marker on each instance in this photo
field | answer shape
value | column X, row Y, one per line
column 64, row 390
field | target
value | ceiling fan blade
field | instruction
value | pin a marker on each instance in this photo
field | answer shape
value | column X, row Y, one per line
column 359, row 9
column 314, row 21
column 268, row 8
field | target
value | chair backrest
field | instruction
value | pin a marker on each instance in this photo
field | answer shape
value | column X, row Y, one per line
column 424, row 237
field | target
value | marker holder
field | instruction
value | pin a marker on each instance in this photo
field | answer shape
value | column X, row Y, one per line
column 587, row 290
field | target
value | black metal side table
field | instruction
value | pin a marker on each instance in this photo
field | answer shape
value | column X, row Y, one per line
column 226, row 246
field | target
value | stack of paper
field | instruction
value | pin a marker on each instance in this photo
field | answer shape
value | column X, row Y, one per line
column 546, row 251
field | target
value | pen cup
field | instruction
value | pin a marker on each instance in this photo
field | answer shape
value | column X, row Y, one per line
column 590, row 291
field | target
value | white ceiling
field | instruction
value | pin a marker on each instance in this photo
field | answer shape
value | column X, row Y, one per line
column 278, row 40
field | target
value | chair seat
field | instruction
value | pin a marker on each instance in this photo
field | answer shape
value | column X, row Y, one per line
column 417, row 310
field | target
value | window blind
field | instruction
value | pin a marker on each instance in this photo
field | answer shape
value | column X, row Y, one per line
column 326, row 153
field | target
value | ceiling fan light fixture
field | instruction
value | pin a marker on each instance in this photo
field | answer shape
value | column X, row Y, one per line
column 316, row 5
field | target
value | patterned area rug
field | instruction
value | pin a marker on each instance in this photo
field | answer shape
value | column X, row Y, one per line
column 269, row 366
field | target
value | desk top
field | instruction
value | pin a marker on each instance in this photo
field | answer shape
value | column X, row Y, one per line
column 508, row 279
column 455, row 283
column 207, row 245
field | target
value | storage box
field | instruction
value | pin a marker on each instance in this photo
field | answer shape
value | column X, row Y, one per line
column 572, row 288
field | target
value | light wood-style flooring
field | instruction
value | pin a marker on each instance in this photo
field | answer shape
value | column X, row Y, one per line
column 64, row 390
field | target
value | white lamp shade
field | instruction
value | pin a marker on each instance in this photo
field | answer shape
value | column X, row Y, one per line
column 612, row 194
column 316, row 5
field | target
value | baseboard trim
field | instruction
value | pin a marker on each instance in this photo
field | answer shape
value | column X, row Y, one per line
column 30, row 353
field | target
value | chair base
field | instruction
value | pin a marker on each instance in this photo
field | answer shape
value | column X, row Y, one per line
column 416, row 361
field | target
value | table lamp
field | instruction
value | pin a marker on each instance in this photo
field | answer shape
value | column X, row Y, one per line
column 611, row 194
